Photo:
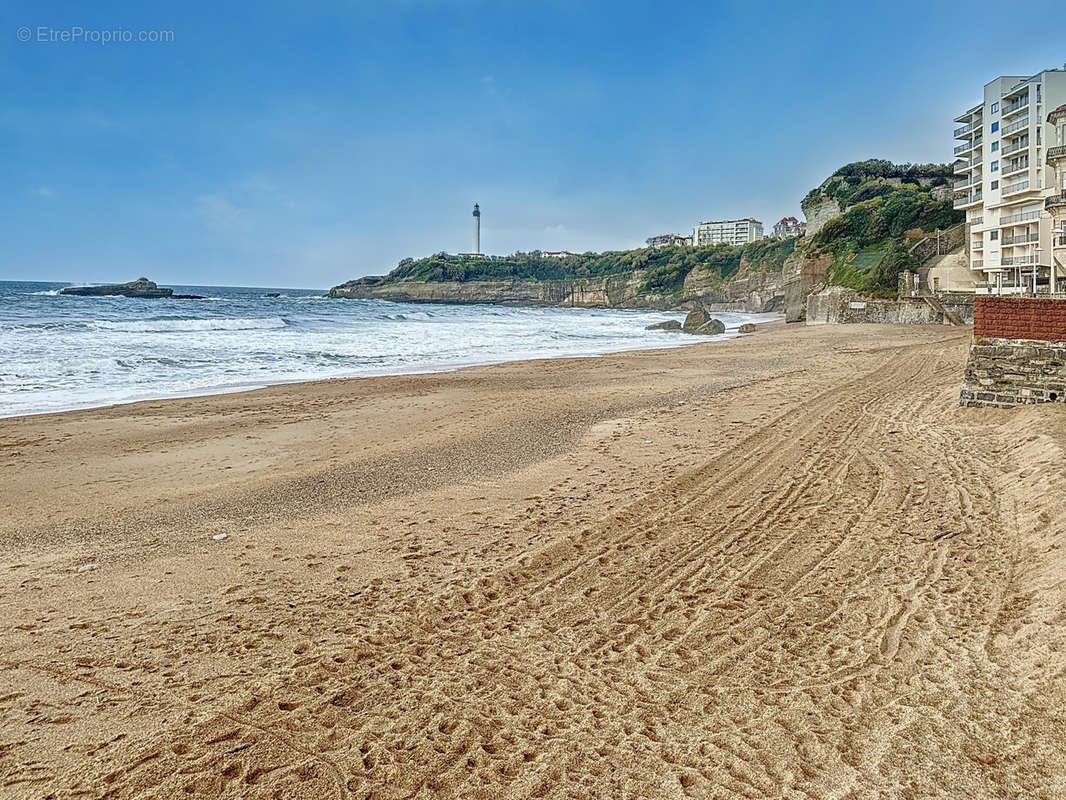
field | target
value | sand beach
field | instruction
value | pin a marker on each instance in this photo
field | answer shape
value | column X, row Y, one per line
column 786, row 565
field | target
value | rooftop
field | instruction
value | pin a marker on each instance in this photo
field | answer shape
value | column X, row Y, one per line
column 727, row 221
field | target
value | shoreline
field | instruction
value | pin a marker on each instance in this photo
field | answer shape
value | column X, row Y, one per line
column 253, row 386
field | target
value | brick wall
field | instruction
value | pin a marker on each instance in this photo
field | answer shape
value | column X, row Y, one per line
column 1039, row 318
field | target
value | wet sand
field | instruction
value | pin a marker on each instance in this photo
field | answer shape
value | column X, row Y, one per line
column 780, row 566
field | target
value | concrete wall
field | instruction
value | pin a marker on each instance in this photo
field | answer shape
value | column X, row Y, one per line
column 839, row 306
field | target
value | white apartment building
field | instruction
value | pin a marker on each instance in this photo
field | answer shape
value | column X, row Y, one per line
column 1007, row 183
column 730, row 231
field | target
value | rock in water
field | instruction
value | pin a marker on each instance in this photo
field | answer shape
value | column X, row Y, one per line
column 142, row 287
column 669, row 325
column 711, row 328
column 747, row 327
column 696, row 318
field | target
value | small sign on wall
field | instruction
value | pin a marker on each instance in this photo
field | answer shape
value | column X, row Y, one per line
column 857, row 304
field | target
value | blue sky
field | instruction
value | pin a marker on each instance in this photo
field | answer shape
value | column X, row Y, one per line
column 300, row 144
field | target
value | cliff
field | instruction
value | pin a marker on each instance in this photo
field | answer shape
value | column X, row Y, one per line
column 861, row 223
column 718, row 276
column 626, row 290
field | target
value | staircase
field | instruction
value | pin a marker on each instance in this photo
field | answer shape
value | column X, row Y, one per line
column 949, row 316
column 933, row 250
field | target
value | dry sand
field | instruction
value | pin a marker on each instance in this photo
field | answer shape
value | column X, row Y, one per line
column 782, row 566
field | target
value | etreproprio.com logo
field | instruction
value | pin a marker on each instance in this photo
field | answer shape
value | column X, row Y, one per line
column 78, row 34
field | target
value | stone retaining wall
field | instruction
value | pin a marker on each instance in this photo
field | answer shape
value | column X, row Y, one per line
column 1003, row 373
column 1018, row 355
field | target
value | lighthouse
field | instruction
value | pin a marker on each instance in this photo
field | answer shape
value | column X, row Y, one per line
column 477, row 230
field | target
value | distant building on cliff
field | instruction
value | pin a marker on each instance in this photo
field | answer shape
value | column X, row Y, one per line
column 730, row 231
column 1011, row 181
column 789, row 226
column 558, row 253
column 669, row 240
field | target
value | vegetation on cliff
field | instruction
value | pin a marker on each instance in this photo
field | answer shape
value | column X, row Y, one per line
column 887, row 206
column 859, row 180
column 665, row 267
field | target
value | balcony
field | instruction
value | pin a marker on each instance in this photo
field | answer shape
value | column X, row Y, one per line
column 1013, row 168
column 965, row 130
column 966, row 198
column 1014, row 126
column 1019, row 261
column 1017, row 105
column 1021, row 144
column 962, row 148
column 978, row 245
column 977, row 264
column 1025, row 238
column 1057, row 153
column 1056, row 201
column 1025, row 216
column 976, row 221
column 1015, row 188
column 1060, row 241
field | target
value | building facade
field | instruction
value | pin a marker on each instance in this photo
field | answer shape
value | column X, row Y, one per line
column 1006, row 183
column 789, row 226
column 1056, row 203
column 730, row 231
column 668, row 240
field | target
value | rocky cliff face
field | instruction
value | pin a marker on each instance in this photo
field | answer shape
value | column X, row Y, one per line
column 802, row 275
column 750, row 291
column 819, row 210
column 615, row 291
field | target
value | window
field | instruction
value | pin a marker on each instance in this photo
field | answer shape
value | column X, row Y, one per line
column 994, row 236
column 995, row 127
column 995, row 108
column 995, row 146
column 995, row 166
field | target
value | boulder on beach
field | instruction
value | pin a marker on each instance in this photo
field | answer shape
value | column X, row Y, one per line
column 711, row 328
column 747, row 327
column 669, row 325
column 142, row 287
column 696, row 317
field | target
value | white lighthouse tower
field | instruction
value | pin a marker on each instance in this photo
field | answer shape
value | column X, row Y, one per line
column 477, row 230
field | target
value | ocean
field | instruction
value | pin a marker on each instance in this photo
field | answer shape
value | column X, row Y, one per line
column 59, row 353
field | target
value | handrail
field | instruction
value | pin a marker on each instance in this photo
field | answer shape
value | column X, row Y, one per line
column 1024, row 216
column 1015, row 126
